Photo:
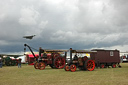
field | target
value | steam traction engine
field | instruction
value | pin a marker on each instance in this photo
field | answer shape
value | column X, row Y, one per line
column 83, row 63
column 53, row 58
column 8, row 61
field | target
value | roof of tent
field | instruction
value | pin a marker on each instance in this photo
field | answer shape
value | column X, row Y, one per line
column 31, row 56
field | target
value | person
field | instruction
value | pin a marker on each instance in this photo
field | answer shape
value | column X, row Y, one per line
column 19, row 63
column 45, row 55
column 75, row 57
column 1, row 63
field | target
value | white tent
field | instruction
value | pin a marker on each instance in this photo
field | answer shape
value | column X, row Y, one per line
column 23, row 59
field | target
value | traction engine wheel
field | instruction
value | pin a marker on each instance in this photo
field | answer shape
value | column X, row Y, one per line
column 102, row 66
column 73, row 68
column 113, row 65
column 66, row 68
column 55, row 55
column 36, row 65
column 59, row 62
column 41, row 65
column 12, row 63
column 89, row 65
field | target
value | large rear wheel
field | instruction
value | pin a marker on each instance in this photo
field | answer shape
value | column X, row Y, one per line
column 59, row 62
column 89, row 65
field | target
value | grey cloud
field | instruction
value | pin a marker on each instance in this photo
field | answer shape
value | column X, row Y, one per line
column 60, row 24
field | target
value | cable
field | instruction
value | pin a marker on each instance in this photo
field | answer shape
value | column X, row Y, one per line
column 34, row 48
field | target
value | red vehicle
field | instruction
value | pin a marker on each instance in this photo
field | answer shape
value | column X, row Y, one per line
column 105, row 58
column 53, row 58
column 83, row 62
column 30, row 58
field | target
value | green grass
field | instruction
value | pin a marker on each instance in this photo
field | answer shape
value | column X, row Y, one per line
column 27, row 75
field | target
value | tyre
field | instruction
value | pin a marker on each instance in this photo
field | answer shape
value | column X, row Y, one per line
column 41, row 65
column 102, row 66
column 89, row 65
column 13, row 63
column 59, row 62
column 36, row 65
column 67, row 68
column 8, row 63
column 73, row 68
column 113, row 65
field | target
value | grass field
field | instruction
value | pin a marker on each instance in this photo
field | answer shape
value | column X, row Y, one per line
column 27, row 75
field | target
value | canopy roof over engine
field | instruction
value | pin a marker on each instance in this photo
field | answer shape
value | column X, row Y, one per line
column 83, row 51
column 54, row 51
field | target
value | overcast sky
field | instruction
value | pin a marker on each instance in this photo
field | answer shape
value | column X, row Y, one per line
column 62, row 24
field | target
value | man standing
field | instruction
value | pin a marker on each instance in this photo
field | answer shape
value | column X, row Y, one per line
column 1, row 63
column 19, row 63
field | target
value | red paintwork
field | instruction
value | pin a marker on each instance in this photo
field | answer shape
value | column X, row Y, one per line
column 31, row 56
column 31, row 64
column 41, row 65
column 102, row 66
column 54, row 55
column 67, row 68
column 49, row 59
column 114, row 65
column 73, row 68
column 59, row 62
column 90, row 65
column 124, row 57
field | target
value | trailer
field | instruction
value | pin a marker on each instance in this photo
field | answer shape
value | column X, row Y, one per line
column 105, row 58
column 82, row 62
column 53, row 58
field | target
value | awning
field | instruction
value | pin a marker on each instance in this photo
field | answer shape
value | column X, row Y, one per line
column 31, row 56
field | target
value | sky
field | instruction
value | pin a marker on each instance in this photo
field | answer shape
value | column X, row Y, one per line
column 64, row 24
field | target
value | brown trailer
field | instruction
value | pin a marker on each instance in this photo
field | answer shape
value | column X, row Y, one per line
column 105, row 58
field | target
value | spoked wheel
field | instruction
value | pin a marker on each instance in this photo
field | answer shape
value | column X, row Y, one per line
column 66, row 68
column 73, row 68
column 113, row 65
column 102, row 66
column 89, row 65
column 59, row 62
column 13, row 63
column 41, row 65
column 36, row 65
column 8, row 63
